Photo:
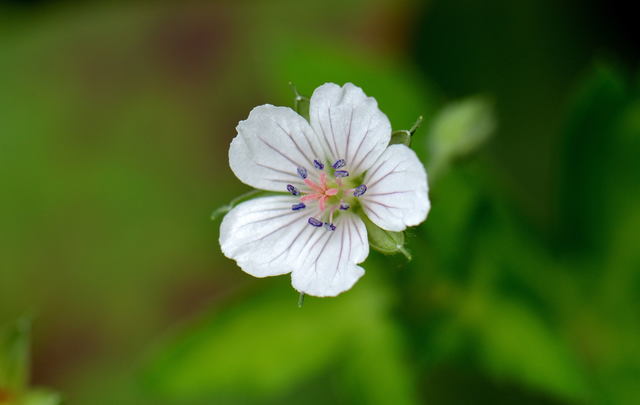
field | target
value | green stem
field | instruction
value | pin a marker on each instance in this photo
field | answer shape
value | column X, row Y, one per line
column 241, row 198
column 416, row 125
column 405, row 252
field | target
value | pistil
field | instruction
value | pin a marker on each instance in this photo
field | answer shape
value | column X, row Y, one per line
column 321, row 191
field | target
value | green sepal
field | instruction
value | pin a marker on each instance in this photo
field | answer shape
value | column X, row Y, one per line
column 241, row 198
column 400, row 137
column 386, row 242
column 300, row 102
column 403, row 136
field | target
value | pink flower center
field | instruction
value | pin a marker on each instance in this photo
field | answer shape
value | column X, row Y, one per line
column 322, row 192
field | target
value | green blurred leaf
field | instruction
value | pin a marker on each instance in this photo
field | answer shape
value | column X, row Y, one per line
column 458, row 130
column 41, row 397
column 592, row 153
column 14, row 356
column 517, row 344
column 266, row 346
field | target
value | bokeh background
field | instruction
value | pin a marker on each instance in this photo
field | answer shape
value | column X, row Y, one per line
column 115, row 121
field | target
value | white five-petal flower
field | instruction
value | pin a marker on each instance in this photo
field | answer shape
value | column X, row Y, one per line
column 333, row 169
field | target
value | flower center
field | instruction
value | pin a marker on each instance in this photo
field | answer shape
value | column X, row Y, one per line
column 331, row 192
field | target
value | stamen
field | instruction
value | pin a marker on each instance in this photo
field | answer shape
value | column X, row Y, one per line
column 314, row 222
column 360, row 190
column 292, row 189
column 298, row 206
column 323, row 193
column 339, row 163
column 330, row 227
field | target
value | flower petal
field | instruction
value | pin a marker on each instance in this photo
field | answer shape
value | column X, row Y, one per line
column 397, row 190
column 264, row 236
column 329, row 265
column 350, row 125
column 270, row 146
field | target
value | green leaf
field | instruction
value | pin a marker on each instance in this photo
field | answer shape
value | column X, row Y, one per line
column 263, row 348
column 516, row 343
column 386, row 242
column 458, row 130
column 599, row 163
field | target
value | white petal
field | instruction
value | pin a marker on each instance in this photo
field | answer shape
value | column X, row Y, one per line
column 329, row 266
column 397, row 194
column 264, row 236
column 350, row 125
column 271, row 144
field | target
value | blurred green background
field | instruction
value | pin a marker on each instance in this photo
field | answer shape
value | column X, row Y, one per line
column 115, row 121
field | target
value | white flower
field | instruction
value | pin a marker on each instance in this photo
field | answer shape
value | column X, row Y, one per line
column 333, row 170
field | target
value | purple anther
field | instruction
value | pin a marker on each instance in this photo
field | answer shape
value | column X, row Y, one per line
column 341, row 173
column 339, row 163
column 302, row 172
column 318, row 165
column 298, row 206
column 360, row 190
column 330, row 227
column 315, row 222
column 292, row 190
column 344, row 206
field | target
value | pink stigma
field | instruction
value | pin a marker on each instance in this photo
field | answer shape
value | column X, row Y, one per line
column 322, row 192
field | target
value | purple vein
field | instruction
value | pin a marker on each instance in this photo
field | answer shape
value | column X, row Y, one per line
column 286, row 213
column 280, row 153
column 355, row 155
column 333, row 134
column 278, row 170
column 389, row 173
column 390, row 193
column 294, row 142
column 335, row 273
column 279, row 228
column 315, row 263
column 302, row 229
column 346, row 153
